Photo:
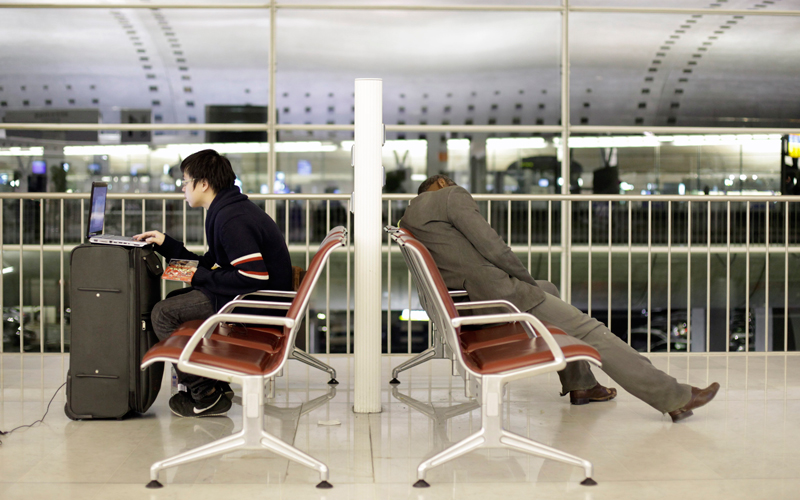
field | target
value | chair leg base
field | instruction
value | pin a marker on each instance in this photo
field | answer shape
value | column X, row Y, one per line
column 333, row 381
column 422, row 484
column 324, row 485
column 154, row 484
column 589, row 482
column 394, row 381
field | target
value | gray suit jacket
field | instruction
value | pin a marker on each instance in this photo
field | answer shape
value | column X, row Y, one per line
column 469, row 253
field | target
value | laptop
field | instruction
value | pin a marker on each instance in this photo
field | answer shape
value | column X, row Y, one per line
column 97, row 218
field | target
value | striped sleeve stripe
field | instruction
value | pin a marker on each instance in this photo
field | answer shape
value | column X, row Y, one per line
column 255, row 275
column 247, row 258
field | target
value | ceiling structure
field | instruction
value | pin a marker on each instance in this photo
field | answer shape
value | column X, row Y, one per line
column 439, row 67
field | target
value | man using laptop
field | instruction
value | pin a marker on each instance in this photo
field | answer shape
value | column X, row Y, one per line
column 246, row 253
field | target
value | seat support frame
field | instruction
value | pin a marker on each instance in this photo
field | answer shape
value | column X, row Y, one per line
column 493, row 435
column 252, row 436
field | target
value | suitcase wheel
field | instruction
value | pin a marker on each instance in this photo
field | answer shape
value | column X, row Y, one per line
column 69, row 413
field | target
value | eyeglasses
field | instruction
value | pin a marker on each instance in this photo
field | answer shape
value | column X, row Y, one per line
column 187, row 181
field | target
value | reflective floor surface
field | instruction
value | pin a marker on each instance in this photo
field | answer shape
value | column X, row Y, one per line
column 745, row 444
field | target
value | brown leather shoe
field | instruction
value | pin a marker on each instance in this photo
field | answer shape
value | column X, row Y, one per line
column 699, row 398
column 596, row 393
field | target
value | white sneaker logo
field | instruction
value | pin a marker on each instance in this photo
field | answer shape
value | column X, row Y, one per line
column 198, row 411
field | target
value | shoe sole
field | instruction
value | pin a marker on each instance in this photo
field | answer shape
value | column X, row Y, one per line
column 222, row 414
column 677, row 417
column 209, row 412
column 680, row 416
column 586, row 401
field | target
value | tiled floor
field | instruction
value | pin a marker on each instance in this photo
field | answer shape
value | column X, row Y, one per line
column 745, row 444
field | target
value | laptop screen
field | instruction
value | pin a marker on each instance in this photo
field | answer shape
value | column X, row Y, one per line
column 97, row 211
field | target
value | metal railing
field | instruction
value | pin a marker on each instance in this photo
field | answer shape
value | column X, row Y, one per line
column 681, row 273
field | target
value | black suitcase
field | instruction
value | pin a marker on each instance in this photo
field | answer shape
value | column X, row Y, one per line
column 113, row 290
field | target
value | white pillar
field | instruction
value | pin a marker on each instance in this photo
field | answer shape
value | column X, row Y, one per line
column 367, row 238
column 566, row 163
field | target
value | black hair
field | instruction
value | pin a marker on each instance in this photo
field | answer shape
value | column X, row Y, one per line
column 427, row 183
column 210, row 166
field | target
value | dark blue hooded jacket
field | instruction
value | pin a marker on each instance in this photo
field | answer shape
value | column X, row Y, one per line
column 246, row 252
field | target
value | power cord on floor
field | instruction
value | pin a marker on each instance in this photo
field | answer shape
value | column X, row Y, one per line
column 38, row 421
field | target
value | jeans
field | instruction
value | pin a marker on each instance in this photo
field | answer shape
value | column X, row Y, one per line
column 178, row 307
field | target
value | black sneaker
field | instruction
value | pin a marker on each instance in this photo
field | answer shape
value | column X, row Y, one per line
column 183, row 405
column 226, row 390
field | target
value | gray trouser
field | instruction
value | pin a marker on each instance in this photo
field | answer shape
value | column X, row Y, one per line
column 180, row 306
column 635, row 373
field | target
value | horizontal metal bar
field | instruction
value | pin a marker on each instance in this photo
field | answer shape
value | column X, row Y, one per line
column 534, row 129
column 616, row 198
column 236, row 127
column 715, row 248
column 478, row 8
column 720, row 248
column 265, row 6
column 731, row 354
column 621, row 248
column 542, row 129
column 153, row 6
column 619, row 129
column 167, row 196
column 683, row 11
column 673, row 354
column 368, row 7
column 405, row 197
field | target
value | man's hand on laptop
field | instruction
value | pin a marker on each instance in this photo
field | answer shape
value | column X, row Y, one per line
column 156, row 237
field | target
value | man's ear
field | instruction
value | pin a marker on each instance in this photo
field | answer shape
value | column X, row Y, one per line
column 442, row 183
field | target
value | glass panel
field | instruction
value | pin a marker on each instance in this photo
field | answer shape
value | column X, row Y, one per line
column 740, row 164
column 134, row 66
column 477, row 68
column 685, row 70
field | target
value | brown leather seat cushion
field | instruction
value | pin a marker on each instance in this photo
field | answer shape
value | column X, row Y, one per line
column 472, row 340
column 523, row 353
column 267, row 339
column 217, row 354
column 479, row 338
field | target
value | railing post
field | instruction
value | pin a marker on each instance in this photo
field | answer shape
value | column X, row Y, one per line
column 367, row 210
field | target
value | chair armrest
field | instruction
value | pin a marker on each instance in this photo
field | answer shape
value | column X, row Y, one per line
column 266, row 293
column 257, row 304
column 486, row 304
column 208, row 326
column 538, row 326
column 458, row 293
